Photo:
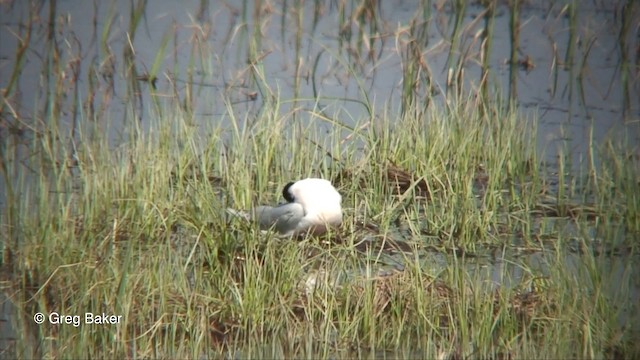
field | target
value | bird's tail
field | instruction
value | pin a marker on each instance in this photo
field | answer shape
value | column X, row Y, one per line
column 240, row 214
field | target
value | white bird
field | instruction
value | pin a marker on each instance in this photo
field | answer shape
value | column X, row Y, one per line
column 313, row 206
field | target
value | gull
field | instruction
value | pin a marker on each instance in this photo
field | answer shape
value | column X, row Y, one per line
column 313, row 206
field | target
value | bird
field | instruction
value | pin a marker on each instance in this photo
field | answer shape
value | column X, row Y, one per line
column 313, row 206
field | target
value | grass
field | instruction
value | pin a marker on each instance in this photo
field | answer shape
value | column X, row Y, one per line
column 459, row 239
column 140, row 232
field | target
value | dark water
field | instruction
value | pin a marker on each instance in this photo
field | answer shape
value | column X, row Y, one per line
column 7, row 334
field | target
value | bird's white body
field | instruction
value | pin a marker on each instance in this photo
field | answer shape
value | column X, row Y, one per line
column 313, row 206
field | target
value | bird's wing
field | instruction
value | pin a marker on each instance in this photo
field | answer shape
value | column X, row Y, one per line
column 284, row 218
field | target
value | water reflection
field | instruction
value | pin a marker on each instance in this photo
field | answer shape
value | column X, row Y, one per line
column 574, row 67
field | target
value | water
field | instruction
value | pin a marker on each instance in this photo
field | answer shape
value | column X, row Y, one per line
column 572, row 101
column 7, row 333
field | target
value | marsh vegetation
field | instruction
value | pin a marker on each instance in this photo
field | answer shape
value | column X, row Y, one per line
column 462, row 235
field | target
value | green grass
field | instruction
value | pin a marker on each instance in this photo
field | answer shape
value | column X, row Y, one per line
column 140, row 231
column 459, row 239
